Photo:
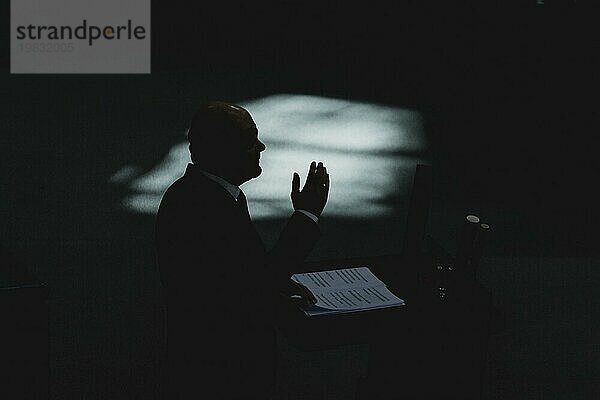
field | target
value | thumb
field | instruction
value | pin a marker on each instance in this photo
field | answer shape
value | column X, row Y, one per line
column 296, row 183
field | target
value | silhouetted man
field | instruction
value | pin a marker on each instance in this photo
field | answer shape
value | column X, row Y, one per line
column 219, row 281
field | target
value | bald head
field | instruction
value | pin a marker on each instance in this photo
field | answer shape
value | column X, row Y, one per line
column 223, row 137
column 216, row 119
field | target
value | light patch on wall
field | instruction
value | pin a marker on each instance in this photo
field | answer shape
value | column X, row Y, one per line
column 367, row 148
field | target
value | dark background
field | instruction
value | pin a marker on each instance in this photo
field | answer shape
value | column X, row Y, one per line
column 509, row 96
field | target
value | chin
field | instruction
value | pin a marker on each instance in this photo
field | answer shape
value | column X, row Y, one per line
column 255, row 173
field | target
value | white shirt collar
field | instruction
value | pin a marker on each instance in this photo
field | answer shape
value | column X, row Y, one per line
column 233, row 190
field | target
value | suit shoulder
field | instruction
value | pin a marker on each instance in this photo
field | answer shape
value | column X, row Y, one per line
column 187, row 194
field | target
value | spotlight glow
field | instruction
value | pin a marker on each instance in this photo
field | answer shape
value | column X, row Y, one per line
column 363, row 145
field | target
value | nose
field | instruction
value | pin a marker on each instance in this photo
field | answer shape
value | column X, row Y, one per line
column 261, row 146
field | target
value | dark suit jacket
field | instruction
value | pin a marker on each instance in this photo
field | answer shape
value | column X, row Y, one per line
column 220, row 287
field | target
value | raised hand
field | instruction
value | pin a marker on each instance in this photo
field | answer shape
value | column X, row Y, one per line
column 313, row 195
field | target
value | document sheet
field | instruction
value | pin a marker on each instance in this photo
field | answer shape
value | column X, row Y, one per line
column 346, row 290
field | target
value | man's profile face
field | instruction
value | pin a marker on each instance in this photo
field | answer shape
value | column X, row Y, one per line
column 231, row 146
column 250, row 146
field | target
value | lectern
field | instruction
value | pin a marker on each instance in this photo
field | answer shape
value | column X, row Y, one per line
column 435, row 347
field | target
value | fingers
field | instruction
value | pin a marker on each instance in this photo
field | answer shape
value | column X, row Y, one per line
column 320, row 169
column 295, row 183
column 321, row 173
column 298, row 289
column 312, row 169
column 307, row 295
column 311, row 297
column 316, row 174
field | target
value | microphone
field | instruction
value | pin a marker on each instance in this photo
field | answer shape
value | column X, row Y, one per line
column 477, row 250
column 466, row 244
